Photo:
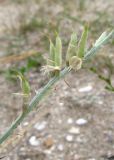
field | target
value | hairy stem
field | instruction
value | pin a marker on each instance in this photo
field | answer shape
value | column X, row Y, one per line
column 33, row 104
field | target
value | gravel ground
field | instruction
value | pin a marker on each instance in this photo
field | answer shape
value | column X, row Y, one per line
column 76, row 121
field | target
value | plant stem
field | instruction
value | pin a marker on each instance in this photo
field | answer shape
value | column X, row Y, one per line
column 33, row 104
column 41, row 94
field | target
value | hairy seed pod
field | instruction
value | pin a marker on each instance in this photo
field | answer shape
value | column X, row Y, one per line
column 75, row 63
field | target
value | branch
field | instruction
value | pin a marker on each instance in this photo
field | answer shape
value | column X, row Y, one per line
column 33, row 104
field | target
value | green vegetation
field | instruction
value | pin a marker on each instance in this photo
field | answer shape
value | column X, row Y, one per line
column 104, row 69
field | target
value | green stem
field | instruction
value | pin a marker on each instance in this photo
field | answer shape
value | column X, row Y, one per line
column 33, row 104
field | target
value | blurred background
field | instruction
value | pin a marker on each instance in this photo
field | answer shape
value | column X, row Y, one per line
column 76, row 121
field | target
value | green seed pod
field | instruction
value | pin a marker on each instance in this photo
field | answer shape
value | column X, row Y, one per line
column 71, row 48
column 75, row 63
column 58, row 52
column 82, row 43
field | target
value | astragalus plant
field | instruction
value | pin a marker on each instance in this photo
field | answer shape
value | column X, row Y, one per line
column 76, row 55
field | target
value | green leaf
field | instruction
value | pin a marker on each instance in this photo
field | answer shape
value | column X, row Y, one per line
column 58, row 52
column 82, row 43
column 71, row 48
column 95, row 48
column 101, row 38
column 51, row 60
column 24, row 84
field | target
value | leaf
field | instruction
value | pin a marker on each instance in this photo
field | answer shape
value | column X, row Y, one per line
column 95, row 48
column 101, row 38
column 51, row 60
column 82, row 43
column 24, row 84
column 72, row 47
column 58, row 52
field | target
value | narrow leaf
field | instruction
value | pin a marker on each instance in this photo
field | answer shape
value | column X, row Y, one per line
column 51, row 60
column 24, row 84
column 58, row 52
column 101, row 38
column 95, row 48
column 71, row 48
column 82, row 43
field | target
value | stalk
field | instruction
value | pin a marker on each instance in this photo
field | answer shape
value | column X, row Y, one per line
column 33, row 104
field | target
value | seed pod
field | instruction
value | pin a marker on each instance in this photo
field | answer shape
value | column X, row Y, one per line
column 75, row 63
column 71, row 48
column 82, row 43
column 58, row 52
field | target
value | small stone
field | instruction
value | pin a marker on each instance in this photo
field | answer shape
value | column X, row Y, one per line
column 22, row 149
column 49, row 150
column 60, row 121
column 81, row 121
column 74, row 130
column 69, row 138
column 33, row 141
column 70, row 121
column 60, row 147
column 61, row 104
column 77, row 157
column 85, row 89
column 100, row 102
column 25, row 123
column 49, row 142
column 40, row 126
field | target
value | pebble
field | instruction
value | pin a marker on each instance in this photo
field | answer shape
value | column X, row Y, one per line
column 40, row 126
column 61, row 104
column 70, row 121
column 100, row 102
column 25, row 123
column 49, row 142
column 60, row 121
column 33, row 141
column 81, row 121
column 69, row 138
column 60, row 147
column 85, row 89
column 77, row 157
column 74, row 130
